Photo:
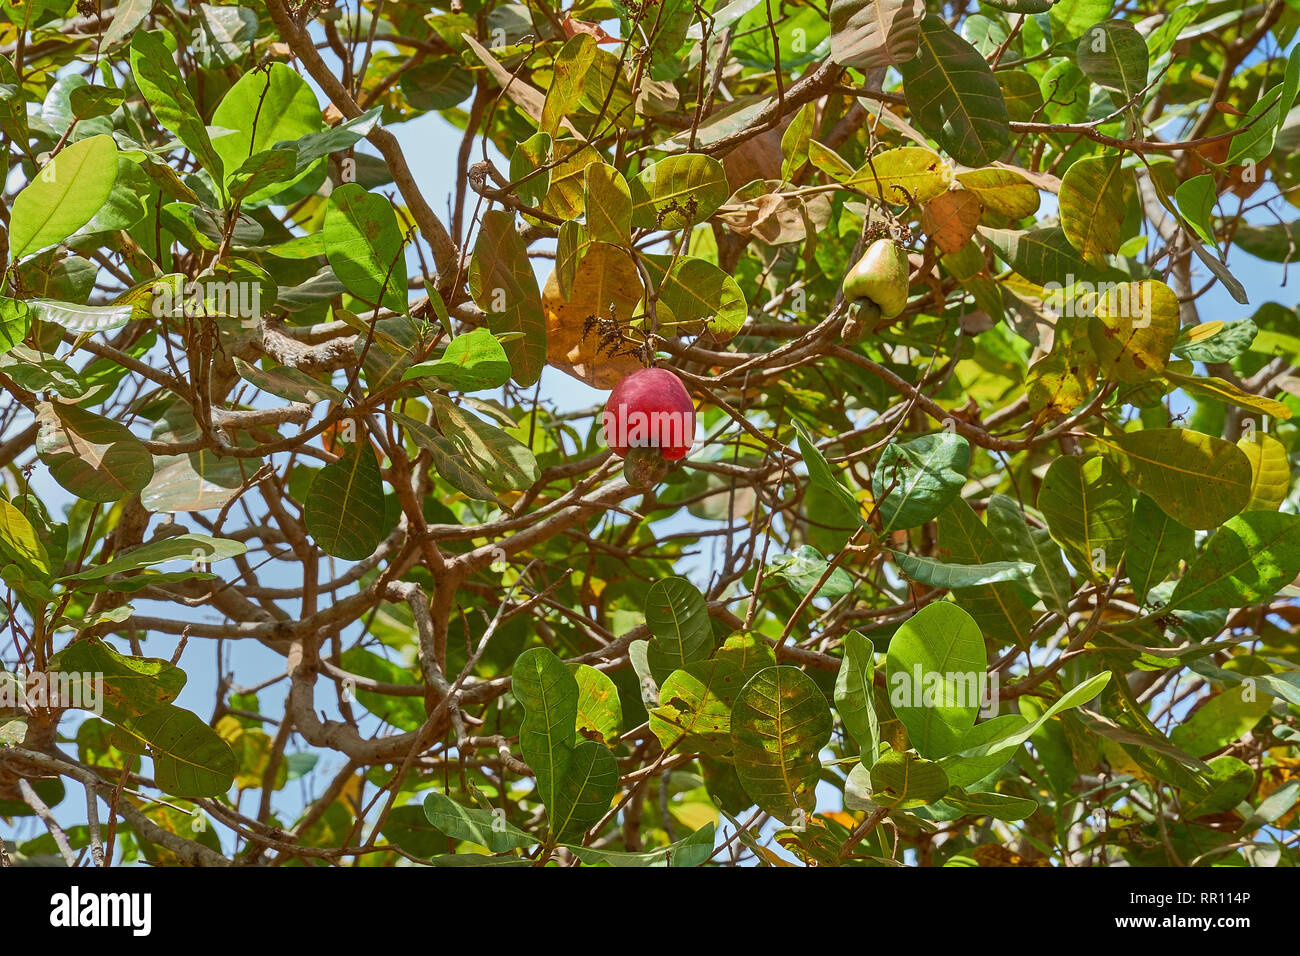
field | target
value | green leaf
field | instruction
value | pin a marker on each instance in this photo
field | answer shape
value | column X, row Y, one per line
column 83, row 318
column 169, row 98
column 12, row 731
column 963, row 769
column 999, row 806
column 473, row 362
column 565, row 198
column 678, row 191
column 1220, row 721
column 262, row 171
column 19, row 542
column 198, row 480
column 502, row 460
column 1156, row 545
column 953, row 96
column 93, row 457
column 571, row 65
column 364, row 245
column 936, row 666
column 1273, row 242
column 89, row 102
column 407, row 827
column 586, row 791
column 504, row 286
column 549, row 695
column 1216, row 341
column 489, row 830
column 693, row 290
column 1248, row 559
column 805, row 567
column 608, row 204
column 1144, row 743
column 1196, row 198
column 820, row 474
column 1075, row 697
column 447, row 459
column 694, row 712
column 945, row 575
column 1020, row 6
column 263, row 109
column 1089, row 510
column 189, row 758
column 1260, row 125
column 1092, row 204
column 437, row 84
column 1050, row 579
column 829, row 162
column 1114, row 56
column 854, row 699
column 904, row 780
column 915, row 480
column 63, row 196
column 693, row 850
column 227, row 35
column 181, row 547
column 1274, row 806
column 668, row 43
column 530, row 155
column 600, row 713
column 1197, row 479
column 404, row 713
column 1041, row 255
column 289, row 383
column 1284, row 684
column 795, row 140
column 313, row 146
column 1230, row 780
column 1221, row 390
column 997, row 608
column 127, row 17
column 779, row 724
column 344, row 510
column 457, row 860
column 1069, row 18
column 15, row 320
column 678, row 618
column 749, row 651
column 123, row 686
column 1231, row 284
column 871, row 33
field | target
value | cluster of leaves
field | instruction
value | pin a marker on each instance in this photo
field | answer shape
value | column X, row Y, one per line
column 256, row 389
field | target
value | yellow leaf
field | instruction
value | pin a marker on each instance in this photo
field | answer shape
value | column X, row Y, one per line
column 1135, row 327
column 581, row 336
column 1270, row 471
column 904, row 175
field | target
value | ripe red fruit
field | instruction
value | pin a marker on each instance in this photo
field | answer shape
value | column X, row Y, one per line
column 650, row 409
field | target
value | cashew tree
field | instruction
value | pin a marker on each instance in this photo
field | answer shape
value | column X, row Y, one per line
column 649, row 433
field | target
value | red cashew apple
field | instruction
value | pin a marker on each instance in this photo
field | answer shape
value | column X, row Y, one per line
column 649, row 420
